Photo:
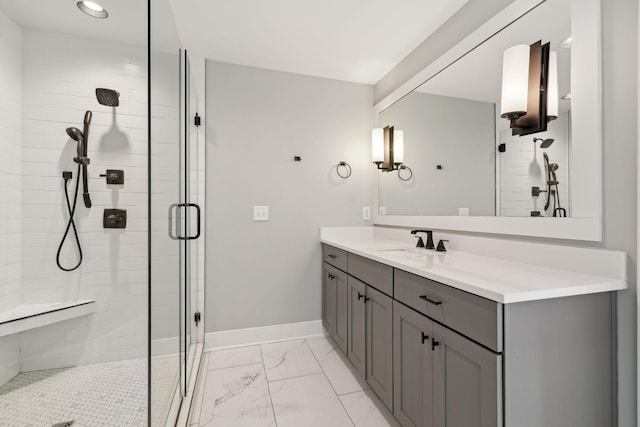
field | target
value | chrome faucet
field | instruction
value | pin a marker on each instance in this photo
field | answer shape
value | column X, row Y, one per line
column 429, row 244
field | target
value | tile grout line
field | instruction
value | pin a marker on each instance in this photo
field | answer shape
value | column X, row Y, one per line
column 330, row 385
column 273, row 409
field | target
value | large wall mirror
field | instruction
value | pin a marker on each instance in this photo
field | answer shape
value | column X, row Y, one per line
column 469, row 172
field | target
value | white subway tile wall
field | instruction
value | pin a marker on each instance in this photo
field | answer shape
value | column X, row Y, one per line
column 521, row 167
column 60, row 74
column 10, row 184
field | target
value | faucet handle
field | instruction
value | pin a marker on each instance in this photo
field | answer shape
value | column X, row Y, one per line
column 429, row 234
column 441, row 247
column 420, row 243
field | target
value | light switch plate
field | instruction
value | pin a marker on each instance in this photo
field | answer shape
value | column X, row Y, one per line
column 382, row 210
column 366, row 213
column 261, row 213
column 463, row 211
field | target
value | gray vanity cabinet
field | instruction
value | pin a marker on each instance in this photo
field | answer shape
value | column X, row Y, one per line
column 438, row 356
column 379, row 324
column 370, row 336
column 356, row 331
column 467, row 381
column 442, row 378
column 328, row 297
column 334, row 295
column 413, row 367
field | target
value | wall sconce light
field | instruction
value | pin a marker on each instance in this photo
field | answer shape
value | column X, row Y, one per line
column 529, row 88
column 387, row 147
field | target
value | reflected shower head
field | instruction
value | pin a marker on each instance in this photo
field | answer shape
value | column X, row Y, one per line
column 545, row 142
column 108, row 97
column 553, row 167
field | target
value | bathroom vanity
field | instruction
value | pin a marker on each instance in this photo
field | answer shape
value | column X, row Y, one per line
column 459, row 339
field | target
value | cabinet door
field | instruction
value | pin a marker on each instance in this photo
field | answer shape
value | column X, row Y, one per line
column 356, row 350
column 341, row 323
column 328, row 298
column 379, row 311
column 467, row 382
column 412, row 372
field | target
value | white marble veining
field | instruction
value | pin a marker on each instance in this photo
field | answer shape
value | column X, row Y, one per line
column 317, row 396
column 366, row 410
column 307, row 401
column 235, row 357
column 237, row 397
column 289, row 359
column 339, row 371
column 498, row 279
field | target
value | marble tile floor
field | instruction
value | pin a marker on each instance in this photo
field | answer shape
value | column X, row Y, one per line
column 103, row 394
column 299, row 383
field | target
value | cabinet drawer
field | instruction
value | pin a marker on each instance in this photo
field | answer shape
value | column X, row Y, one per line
column 373, row 273
column 334, row 256
column 475, row 317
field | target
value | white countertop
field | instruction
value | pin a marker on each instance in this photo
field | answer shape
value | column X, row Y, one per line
column 500, row 280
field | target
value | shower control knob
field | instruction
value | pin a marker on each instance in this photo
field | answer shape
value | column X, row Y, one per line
column 114, row 176
column 114, row 218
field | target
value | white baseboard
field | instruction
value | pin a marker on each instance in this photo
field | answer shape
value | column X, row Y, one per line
column 264, row 334
column 165, row 346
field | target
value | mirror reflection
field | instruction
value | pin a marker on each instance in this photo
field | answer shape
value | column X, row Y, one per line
column 464, row 158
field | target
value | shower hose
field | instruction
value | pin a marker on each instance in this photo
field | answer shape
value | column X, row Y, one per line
column 71, row 224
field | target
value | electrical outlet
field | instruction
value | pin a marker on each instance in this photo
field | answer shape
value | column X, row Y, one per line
column 463, row 211
column 261, row 213
column 366, row 213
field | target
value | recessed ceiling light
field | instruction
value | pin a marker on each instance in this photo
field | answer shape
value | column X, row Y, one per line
column 567, row 96
column 92, row 9
column 566, row 42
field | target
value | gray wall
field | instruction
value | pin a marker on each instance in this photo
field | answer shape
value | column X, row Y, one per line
column 267, row 273
column 620, row 72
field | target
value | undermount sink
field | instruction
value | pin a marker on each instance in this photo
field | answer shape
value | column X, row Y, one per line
column 406, row 254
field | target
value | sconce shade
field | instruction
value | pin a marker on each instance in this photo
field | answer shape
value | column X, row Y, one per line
column 515, row 82
column 398, row 147
column 552, row 87
column 377, row 145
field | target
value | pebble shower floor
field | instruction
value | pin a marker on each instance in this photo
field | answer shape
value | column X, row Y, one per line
column 104, row 394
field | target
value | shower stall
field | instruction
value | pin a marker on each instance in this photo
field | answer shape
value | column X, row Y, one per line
column 103, row 328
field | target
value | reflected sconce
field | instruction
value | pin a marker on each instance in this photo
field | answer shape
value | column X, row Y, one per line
column 529, row 88
column 387, row 148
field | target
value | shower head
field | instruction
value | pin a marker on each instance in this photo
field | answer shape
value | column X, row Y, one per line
column 553, row 167
column 77, row 135
column 108, row 97
column 545, row 142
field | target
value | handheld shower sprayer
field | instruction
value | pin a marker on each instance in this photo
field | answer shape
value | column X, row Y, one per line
column 85, row 159
column 76, row 135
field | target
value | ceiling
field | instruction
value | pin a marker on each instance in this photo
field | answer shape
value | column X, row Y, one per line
column 354, row 40
column 126, row 23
